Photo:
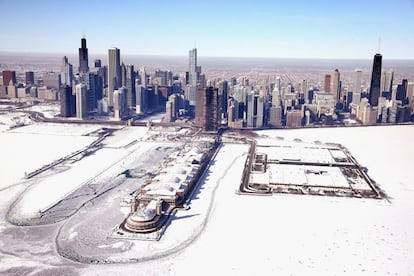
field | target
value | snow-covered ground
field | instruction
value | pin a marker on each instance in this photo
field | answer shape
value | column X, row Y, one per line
column 49, row 110
column 28, row 148
column 307, row 235
column 10, row 119
column 311, row 235
column 156, row 118
column 49, row 188
column 227, row 233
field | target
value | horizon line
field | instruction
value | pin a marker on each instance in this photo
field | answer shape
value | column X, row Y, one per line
column 202, row 56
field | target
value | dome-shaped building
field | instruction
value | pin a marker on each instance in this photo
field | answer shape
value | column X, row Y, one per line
column 145, row 217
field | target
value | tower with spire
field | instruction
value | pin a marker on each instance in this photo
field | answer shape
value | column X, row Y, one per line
column 375, row 87
column 83, row 57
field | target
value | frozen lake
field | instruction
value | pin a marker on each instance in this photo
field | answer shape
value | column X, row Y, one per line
column 251, row 235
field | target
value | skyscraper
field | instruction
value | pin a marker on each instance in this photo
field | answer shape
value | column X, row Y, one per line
column 67, row 101
column 52, row 80
column 141, row 99
column 94, row 85
column 130, row 85
column 305, row 90
column 355, row 96
column 223, row 99
column 81, row 101
column 401, row 94
column 143, row 77
column 103, row 73
column 193, row 77
column 66, row 72
column 358, row 78
column 327, row 84
column 206, row 108
column 120, row 103
column 30, row 78
column 9, row 76
column 254, row 110
column 123, row 75
column 386, row 84
column 98, row 63
column 276, row 97
column 192, row 67
column 83, row 57
column 375, row 87
column 114, row 73
column 336, row 85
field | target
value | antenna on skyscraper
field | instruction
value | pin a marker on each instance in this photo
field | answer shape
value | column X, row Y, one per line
column 379, row 45
column 195, row 43
column 83, row 35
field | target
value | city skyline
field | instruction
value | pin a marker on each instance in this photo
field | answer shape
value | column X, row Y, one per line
column 232, row 29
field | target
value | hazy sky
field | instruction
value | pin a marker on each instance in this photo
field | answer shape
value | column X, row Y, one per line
column 259, row 28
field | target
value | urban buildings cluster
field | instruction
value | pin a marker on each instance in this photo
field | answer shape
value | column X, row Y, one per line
column 118, row 91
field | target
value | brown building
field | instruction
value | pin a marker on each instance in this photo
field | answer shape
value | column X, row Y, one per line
column 327, row 84
column 294, row 118
column 9, row 76
column 206, row 108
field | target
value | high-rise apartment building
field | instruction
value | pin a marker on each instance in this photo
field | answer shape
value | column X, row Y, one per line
column 114, row 73
column 255, row 107
column 83, row 57
column 386, row 84
column 223, row 99
column 141, row 98
column 81, row 101
column 120, row 103
column 143, row 77
column 171, row 108
column 356, row 93
column 358, row 80
column 294, row 118
column 375, row 87
column 206, row 108
column 67, row 101
column 52, row 80
column 327, row 83
column 66, row 72
column 94, row 86
column 165, row 77
column 304, row 90
column 103, row 73
column 336, row 85
column 130, row 85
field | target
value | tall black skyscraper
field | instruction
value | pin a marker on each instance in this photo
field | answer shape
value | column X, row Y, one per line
column 206, row 108
column 67, row 101
column 30, row 78
column 94, row 85
column 130, row 85
column 114, row 73
column 98, row 63
column 223, row 99
column 401, row 94
column 375, row 88
column 83, row 57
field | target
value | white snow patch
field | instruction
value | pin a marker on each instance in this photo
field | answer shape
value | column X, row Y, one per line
column 48, row 110
column 25, row 152
column 72, row 235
